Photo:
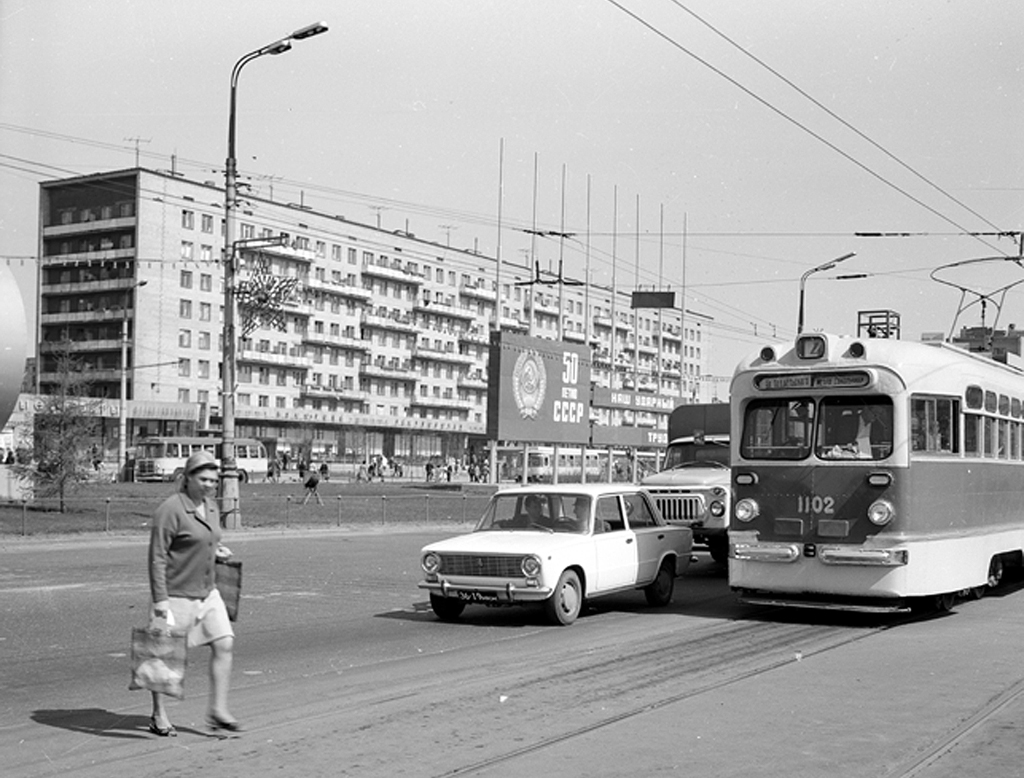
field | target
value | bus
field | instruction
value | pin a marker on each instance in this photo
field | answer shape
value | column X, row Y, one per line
column 163, row 458
column 694, row 487
column 874, row 475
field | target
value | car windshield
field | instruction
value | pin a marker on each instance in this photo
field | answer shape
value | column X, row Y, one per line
column 538, row 512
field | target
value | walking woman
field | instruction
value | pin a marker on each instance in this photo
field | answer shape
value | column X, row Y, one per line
column 183, row 546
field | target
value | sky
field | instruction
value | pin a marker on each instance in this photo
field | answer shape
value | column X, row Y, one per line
column 717, row 149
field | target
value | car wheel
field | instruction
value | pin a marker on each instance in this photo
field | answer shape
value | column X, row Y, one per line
column 565, row 603
column 445, row 608
column 243, row 477
column 659, row 591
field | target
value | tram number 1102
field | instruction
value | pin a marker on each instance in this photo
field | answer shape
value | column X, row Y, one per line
column 815, row 503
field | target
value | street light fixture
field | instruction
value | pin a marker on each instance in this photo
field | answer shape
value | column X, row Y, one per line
column 122, row 427
column 229, row 467
column 803, row 280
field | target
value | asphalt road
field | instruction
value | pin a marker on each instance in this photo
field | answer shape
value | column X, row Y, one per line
column 341, row 670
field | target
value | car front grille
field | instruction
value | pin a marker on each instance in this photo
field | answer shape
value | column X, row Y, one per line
column 680, row 508
column 485, row 566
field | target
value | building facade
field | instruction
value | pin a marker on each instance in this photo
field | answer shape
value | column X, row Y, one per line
column 385, row 336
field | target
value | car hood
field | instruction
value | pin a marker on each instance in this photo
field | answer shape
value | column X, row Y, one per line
column 689, row 476
column 506, row 542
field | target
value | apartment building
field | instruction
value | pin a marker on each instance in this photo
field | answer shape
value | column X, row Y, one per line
column 380, row 345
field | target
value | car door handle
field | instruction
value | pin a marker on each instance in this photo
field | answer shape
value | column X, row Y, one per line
column 661, row 536
column 628, row 541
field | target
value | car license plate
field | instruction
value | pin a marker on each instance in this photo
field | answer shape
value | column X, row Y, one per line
column 477, row 596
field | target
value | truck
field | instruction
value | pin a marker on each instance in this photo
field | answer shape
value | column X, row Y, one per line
column 694, row 486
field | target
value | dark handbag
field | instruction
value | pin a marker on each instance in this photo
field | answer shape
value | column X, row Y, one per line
column 228, row 576
column 158, row 661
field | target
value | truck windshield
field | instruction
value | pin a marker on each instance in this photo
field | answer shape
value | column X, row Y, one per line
column 686, row 452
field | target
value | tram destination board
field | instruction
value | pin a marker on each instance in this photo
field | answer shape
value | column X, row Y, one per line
column 846, row 380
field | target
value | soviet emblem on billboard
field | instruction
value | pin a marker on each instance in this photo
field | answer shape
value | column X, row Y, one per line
column 529, row 381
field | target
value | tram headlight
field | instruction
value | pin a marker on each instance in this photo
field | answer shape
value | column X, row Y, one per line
column 431, row 563
column 717, row 509
column 531, row 566
column 881, row 512
column 747, row 509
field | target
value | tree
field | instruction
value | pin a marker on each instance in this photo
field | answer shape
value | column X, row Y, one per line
column 63, row 432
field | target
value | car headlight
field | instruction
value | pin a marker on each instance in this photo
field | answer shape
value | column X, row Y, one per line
column 431, row 563
column 747, row 509
column 881, row 512
column 531, row 566
column 717, row 509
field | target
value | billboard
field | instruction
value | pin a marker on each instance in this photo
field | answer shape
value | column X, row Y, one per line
column 538, row 390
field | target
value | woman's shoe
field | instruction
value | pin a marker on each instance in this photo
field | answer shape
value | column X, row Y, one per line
column 168, row 731
column 216, row 722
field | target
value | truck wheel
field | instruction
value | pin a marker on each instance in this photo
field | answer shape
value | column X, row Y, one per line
column 565, row 603
column 719, row 548
column 445, row 608
column 659, row 591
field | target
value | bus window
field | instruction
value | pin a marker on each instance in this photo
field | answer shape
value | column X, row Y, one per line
column 933, row 425
column 777, row 429
column 855, row 428
column 972, row 422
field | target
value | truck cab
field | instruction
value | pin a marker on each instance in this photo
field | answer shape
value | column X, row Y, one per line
column 694, row 486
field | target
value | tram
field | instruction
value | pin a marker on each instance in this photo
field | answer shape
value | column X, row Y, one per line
column 874, row 475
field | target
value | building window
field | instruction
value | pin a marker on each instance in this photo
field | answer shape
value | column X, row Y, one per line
column 203, row 396
column 188, row 219
column 352, row 256
column 183, row 395
column 185, row 309
column 204, row 341
column 204, row 311
column 185, row 280
column 206, row 253
column 184, row 338
column 186, row 249
column 207, row 223
column 206, row 282
column 184, row 368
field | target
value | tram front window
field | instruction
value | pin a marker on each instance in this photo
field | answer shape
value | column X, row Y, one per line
column 855, row 428
column 778, row 429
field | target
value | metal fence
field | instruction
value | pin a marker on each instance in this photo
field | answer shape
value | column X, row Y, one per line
column 131, row 514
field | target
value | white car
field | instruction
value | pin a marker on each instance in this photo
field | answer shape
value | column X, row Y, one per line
column 558, row 545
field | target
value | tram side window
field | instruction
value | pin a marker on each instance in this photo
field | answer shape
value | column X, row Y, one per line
column 972, row 434
column 855, row 428
column 933, row 425
column 778, row 429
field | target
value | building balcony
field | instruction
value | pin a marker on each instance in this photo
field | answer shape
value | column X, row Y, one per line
column 434, row 308
column 336, row 341
column 390, row 321
column 478, row 292
column 91, row 317
column 477, row 335
column 94, row 225
column 78, row 346
column 89, row 286
column 289, row 252
column 438, row 355
column 339, row 288
column 402, row 372
column 321, row 392
column 518, row 325
column 476, row 381
column 99, row 255
column 442, row 402
column 294, row 358
column 396, row 274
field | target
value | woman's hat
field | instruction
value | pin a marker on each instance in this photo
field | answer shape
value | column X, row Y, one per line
column 201, row 460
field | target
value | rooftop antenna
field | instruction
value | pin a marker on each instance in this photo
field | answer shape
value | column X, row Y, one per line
column 137, row 141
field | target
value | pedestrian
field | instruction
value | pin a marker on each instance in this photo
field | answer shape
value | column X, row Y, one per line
column 313, row 487
column 325, row 471
column 430, row 472
column 302, row 469
column 184, row 544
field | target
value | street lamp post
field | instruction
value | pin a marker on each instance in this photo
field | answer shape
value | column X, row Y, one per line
column 229, row 467
column 803, row 280
column 122, row 416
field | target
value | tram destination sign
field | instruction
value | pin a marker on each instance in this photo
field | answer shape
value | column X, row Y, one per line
column 854, row 379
